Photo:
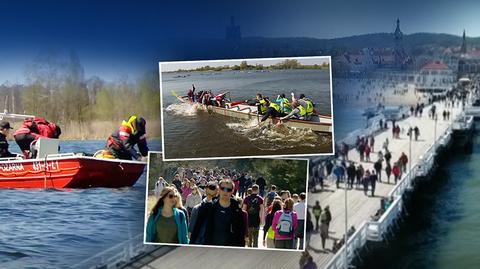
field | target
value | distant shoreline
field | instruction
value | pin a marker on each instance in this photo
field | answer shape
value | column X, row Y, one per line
column 96, row 130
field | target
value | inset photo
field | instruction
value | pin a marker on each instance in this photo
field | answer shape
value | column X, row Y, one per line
column 245, row 108
column 256, row 203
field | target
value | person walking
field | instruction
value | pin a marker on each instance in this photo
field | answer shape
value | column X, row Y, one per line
column 388, row 171
column 284, row 225
column 317, row 211
column 299, row 208
column 254, row 206
column 373, row 182
column 396, row 171
column 378, row 169
column 351, row 175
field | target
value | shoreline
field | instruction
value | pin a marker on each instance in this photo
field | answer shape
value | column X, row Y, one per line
column 95, row 130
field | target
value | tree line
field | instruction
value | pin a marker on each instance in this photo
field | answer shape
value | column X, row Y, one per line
column 285, row 174
column 57, row 89
column 286, row 64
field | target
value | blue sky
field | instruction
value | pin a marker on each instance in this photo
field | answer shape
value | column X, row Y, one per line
column 117, row 38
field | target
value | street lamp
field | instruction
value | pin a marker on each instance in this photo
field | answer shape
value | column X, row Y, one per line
column 346, row 228
column 435, row 129
column 410, row 133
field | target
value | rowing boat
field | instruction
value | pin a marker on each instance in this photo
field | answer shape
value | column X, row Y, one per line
column 317, row 123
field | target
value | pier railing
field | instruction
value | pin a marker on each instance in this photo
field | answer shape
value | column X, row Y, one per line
column 118, row 255
column 355, row 242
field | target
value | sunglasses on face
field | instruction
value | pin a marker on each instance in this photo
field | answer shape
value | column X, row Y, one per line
column 171, row 195
column 212, row 187
column 225, row 189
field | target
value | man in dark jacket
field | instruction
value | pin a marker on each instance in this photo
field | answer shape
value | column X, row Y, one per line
column 4, row 131
column 351, row 175
column 225, row 225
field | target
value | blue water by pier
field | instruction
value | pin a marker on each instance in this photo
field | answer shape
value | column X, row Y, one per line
column 60, row 228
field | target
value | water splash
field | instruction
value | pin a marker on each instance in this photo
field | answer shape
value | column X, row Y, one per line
column 276, row 137
column 182, row 109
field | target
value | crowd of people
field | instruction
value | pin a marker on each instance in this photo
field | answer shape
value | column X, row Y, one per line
column 223, row 207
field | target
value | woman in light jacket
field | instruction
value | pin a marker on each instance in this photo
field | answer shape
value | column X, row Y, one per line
column 166, row 223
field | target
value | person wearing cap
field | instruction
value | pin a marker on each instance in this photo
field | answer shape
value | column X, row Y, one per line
column 130, row 133
column 4, row 131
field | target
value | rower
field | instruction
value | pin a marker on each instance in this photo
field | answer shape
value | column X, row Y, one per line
column 261, row 106
column 122, row 142
column 299, row 111
column 4, row 131
column 191, row 93
column 308, row 104
column 273, row 110
column 284, row 103
column 219, row 99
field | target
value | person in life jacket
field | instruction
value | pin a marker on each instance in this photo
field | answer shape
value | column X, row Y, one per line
column 261, row 104
column 308, row 104
column 122, row 142
column 284, row 103
column 273, row 110
column 299, row 111
column 31, row 130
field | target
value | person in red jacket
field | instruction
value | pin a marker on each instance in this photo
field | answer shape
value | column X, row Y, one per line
column 122, row 142
column 31, row 130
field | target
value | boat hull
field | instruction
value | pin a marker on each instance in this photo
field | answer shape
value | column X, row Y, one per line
column 69, row 172
column 318, row 123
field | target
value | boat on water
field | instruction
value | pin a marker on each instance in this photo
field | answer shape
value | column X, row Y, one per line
column 240, row 110
column 51, row 169
column 69, row 170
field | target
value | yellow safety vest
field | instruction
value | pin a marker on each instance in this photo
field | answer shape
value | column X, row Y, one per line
column 263, row 108
column 303, row 111
column 309, row 107
column 276, row 107
column 286, row 103
column 129, row 124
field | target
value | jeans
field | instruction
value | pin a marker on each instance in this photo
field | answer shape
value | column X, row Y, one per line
column 253, row 237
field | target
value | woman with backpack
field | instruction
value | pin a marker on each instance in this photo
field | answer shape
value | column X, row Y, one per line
column 284, row 226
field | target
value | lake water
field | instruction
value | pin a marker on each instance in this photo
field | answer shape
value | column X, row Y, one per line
column 60, row 228
column 192, row 133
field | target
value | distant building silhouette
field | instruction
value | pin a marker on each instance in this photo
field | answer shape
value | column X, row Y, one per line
column 463, row 49
column 232, row 32
column 399, row 52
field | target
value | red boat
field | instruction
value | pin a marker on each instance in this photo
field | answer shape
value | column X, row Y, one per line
column 69, row 171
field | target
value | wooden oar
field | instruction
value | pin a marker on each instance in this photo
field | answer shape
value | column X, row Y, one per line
column 237, row 103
